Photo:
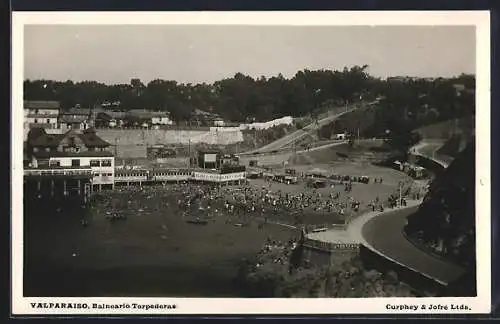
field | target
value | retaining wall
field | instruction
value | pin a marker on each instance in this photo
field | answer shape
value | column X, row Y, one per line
column 161, row 136
column 423, row 284
column 132, row 143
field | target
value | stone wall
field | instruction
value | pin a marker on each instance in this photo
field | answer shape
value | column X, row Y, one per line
column 133, row 142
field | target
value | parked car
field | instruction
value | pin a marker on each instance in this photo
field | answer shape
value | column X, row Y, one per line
column 290, row 179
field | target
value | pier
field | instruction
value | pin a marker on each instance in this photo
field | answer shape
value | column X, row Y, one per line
column 58, row 184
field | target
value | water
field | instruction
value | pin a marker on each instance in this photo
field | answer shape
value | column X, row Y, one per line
column 152, row 253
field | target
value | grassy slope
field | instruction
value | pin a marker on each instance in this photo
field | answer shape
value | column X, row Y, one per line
column 445, row 129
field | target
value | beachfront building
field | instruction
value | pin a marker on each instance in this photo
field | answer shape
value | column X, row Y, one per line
column 72, row 150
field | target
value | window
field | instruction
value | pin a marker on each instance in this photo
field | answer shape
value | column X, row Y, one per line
column 96, row 174
column 110, row 174
column 75, row 163
column 106, row 163
column 36, row 111
column 55, row 163
column 95, row 163
column 48, row 121
column 36, row 121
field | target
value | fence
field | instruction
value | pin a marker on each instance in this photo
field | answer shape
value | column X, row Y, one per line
column 331, row 246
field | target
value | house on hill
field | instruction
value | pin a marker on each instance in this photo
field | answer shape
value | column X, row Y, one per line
column 161, row 118
column 208, row 118
column 40, row 113
column 77, row 119
column 147, row 117
column 110, row 118
column 72, row 150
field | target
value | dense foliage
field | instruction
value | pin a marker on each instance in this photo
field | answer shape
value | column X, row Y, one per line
column 243, row 98
column 268, row 277
column 409, row 105
column 445, row 222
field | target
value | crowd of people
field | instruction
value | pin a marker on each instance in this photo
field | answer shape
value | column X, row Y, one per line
column 247, row 204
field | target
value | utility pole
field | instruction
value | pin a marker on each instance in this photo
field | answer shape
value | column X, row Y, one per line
column 400, row 194
column 189, row 154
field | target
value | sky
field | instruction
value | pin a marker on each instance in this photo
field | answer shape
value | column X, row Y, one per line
column 194, row 54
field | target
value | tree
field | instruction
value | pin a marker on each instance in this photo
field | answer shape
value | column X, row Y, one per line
column 242, row 97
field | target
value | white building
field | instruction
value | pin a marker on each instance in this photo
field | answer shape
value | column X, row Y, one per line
column 76, row 119
column 340, row 136
column 161, row 119
column 41, row 114
column 74, row 150
column 219, row 122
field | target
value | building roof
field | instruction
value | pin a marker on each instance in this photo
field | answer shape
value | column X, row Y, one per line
column 209, row 152
column 104, row 116
column 42, row 115
column 116, row 114
column 89, row 138
column 78, row 111
column 108, row 114
column 73, row 154
column 41, row 104
column 144, row 113
column 139, row 112
column 71, row 119
column 58, row 167
column 202, row 112
column 47, row 140
column 40, row 125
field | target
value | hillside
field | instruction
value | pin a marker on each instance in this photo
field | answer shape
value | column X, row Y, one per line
column 362, row 118
column 445, row 223
column 449, row 128
column 366, row 150
column 453, row 146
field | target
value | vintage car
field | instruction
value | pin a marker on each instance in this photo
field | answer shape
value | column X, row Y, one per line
column 290, row 179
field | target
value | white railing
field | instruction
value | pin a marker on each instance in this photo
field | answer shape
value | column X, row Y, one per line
column 58, row 172
column 180, row 176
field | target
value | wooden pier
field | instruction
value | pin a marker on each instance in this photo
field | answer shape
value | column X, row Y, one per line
column 58, row 184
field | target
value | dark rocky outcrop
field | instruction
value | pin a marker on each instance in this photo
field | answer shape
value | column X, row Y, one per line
column 445, row 222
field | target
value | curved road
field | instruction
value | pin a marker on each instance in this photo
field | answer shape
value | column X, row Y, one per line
column 427, row 149
column 384, row 235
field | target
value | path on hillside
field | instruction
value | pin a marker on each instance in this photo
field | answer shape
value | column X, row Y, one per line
column 298, row 134
column 427, row 149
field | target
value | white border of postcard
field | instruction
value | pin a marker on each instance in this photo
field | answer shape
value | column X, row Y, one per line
column 480, row 304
